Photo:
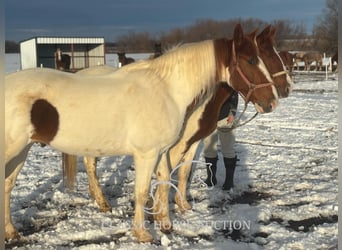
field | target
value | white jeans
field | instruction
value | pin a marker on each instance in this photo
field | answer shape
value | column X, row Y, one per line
column 227, row 140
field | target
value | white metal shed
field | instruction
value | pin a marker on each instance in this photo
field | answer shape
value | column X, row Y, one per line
column 83, row 51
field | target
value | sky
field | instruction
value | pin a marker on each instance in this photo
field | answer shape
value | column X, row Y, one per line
column 110, row 18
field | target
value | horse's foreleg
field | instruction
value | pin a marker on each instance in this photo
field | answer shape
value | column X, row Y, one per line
column 144, row 166
column 13, row 168
column 11, row 232
column 183, row 176
column 161, row 199
column 94, row 185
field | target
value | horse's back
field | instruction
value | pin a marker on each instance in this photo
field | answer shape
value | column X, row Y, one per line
column 97, row 70
column 126, row 105
column 313, row 55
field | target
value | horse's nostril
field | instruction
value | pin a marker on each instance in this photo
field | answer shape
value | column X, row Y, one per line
column 271, row 107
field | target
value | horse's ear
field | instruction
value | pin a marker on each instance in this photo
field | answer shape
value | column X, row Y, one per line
column 238, row 35
column 234, row 59
column 267, row 34
column 273, row 31
column 252, row 35
column 264, row 34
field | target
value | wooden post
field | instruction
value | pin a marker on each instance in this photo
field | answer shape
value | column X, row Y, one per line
column 72, row 56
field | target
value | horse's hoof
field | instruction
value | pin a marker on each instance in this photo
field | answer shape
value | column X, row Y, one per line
column 142, row 235
column 105, row 208
column 164, row 225
column 183, row 204
column 13, row 235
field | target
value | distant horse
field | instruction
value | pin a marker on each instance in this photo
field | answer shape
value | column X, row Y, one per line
column 308, row 58
column 288, row 59
column 157, row 50
column 200, row 124
column 140, row 109
column 311, row 57
column 62, row 61
column 334, row 59
column 123, row 59
column 298, row 57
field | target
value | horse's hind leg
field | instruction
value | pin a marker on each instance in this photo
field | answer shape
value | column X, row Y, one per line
column 183, row 176
column 144, row 166
column 94, row 185
column 13, row 168
column 161, row 199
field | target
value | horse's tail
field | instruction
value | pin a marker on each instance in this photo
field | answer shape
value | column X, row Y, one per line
column 69, row 163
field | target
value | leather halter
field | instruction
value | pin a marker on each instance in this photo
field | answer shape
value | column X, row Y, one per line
column 251, row 85
column 280, row 73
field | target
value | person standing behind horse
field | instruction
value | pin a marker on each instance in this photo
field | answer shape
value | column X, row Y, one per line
column 227, row 140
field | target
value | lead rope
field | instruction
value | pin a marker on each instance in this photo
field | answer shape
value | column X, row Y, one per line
column 236, row 122
column 251, row 87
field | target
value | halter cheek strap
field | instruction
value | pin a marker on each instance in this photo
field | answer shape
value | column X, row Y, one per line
column 251, row 85
column 251, row 88
column 280, row 73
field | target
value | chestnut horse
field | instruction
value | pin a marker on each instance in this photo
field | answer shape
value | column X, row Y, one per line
column 140, row 109
column 287, row 59
column 200, row 124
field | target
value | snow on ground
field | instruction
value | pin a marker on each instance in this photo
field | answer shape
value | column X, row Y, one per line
column 285, row 194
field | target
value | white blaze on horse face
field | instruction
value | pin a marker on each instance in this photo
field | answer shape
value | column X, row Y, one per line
column 265, row 71
column 288, row 78
column 259, row 108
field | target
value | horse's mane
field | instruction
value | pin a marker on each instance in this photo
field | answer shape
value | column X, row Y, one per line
column 193, row 65
column 191, row 60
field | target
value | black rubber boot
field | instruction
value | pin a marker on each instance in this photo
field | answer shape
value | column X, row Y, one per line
column 230, row 164
column 211, row 171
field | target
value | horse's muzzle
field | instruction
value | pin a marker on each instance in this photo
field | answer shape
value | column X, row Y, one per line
column 267, row 107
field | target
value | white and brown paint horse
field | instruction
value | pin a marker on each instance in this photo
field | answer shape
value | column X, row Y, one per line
column 140, row 109
column 200, row 124
column 282, row 81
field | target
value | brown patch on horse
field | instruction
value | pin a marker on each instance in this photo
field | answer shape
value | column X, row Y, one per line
column 221, row 55
column 45, row 120
column 208, row 121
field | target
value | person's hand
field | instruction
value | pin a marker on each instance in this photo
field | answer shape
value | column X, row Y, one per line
column 230, row 119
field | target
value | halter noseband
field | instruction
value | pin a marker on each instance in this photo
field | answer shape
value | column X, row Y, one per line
column 251, row 85
column 280, row 73
column 251, row 88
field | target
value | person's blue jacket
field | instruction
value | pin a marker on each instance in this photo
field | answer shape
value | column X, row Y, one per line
column 229, row 106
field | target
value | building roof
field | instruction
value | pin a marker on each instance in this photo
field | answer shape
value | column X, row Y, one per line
column 67, row 40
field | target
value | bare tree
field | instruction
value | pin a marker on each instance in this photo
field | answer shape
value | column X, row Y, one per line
column 204, row 29
column 325, row 31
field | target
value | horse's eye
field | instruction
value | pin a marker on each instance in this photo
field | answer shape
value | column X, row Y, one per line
column 253, row 60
